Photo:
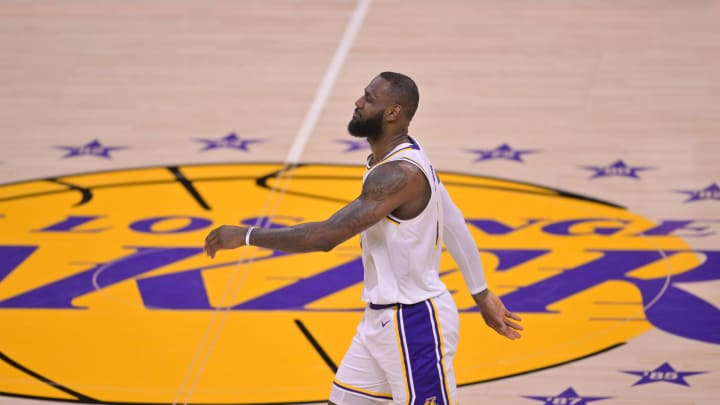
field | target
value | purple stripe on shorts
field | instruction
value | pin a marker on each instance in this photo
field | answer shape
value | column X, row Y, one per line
column 423, row 353
column 405, row 356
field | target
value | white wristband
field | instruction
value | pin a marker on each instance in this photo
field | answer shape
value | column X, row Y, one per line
column 247, row 235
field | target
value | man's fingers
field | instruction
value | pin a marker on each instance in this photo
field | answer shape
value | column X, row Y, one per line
column 511, row 334
column 513, row 315
column 507, row 331
column 509, row 317
column 209, row 248
column 210, row 241
column 499, row 318
column 513, row 325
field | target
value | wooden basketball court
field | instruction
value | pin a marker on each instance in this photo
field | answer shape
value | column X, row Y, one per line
column 616, row 103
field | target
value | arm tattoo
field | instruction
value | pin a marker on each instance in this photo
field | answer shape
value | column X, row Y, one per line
column 386, row 181
column 379, row 197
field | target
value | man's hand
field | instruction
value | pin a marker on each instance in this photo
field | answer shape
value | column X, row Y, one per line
column 224, row 237
column 496, row 315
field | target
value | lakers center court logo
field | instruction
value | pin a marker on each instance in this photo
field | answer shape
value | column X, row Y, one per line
column 106, row 295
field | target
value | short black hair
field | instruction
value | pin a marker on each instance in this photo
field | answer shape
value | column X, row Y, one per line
column 404, row 90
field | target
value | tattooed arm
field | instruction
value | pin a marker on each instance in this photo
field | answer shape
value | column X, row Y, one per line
column 387, row 188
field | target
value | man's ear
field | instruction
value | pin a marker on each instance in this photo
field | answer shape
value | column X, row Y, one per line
column 393, row 113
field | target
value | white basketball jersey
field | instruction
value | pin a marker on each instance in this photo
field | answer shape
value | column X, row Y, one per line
column 401, row 258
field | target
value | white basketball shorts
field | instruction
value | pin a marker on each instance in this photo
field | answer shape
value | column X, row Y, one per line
column 402, row 354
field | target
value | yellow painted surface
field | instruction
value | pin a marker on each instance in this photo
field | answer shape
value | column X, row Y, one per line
column 113, row 347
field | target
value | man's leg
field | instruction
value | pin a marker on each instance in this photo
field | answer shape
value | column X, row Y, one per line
column 416, row 351
column 359, row 379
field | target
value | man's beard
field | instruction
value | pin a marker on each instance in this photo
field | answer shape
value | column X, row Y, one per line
column 369, row 128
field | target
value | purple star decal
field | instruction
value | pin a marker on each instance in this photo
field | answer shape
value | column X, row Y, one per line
column 617, row 169
column 569, row 397
column 93, row 148
column 664, row 372
column 711, row 192
column 503, row 151
column 231, row 141
column 353, row 145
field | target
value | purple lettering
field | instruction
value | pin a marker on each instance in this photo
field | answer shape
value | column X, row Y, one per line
column 510, row 258
column 493, row 227
column 612, row 265
column 72, row 222
column 186, row 289
column 310, row 289
column 668, row 227
column 565, row 227
column 61, row 293
column 12, row 256
column 666, row 306
column 269, row 222
column 676, row 311
column 192, row 224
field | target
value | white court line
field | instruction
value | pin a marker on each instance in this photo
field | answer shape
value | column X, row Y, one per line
column 318, row 104
column 302, row 137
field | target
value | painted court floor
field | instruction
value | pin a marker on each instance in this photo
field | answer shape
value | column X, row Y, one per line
column 580, row 140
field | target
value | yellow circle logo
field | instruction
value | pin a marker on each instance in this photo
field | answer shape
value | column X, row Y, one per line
column 106, row 294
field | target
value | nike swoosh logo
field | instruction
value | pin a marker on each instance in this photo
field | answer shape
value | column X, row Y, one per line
column 384, row 323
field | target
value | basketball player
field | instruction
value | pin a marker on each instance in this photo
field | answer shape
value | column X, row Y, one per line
column 404, row 346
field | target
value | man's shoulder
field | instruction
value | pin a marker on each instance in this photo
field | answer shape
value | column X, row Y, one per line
column 395, row 166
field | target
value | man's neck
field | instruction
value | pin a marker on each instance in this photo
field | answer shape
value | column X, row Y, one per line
column 383, row 145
